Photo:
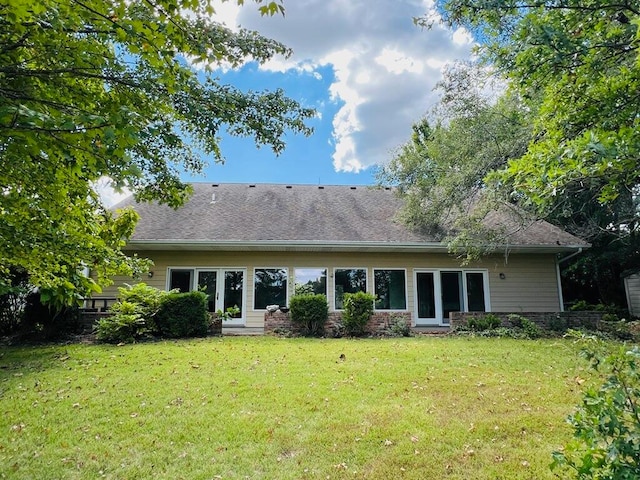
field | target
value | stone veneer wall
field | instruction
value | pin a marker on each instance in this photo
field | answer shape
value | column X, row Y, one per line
column 587, row 319
column 378, row 322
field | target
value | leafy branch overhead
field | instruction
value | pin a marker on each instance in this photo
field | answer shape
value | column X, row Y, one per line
column 115, row 88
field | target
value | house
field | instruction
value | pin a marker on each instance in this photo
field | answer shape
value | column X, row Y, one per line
column 252, row 245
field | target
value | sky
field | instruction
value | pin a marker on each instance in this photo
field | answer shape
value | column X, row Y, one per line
column 363, row 65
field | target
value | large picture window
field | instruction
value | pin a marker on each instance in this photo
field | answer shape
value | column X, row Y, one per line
column 310, row 281
column 270, row 287
column 348, row 280
column 390, row 289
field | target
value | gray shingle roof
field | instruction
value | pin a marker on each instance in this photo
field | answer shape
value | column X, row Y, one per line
column 253, row 213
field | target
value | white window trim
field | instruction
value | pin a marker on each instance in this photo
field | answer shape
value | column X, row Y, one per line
column 333, row 277
column 406, row 293
column 253, row 290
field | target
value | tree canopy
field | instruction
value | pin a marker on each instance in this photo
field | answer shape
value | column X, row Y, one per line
column 116, row 88
column 571, row 70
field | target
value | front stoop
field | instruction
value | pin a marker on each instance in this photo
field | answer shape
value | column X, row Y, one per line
column 237, row 331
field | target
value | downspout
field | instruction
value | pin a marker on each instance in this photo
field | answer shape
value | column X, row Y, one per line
column 558, row 262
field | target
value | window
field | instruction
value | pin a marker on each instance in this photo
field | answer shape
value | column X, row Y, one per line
column 181, row 279
column 224, row 287
column 270, row 287
column 311, row 281
column 438, row 293
column 349, row 280
column 390, row 289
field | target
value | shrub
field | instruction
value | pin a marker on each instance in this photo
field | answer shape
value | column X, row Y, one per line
column 48, row 322
column 310, row 312
column 398, row 327
column 529, row 328
column 183, row 315
column 358, row 308
column 125, row 325
column 147, row 300
column 484, row 322
column 558, row 324
column 606, row 426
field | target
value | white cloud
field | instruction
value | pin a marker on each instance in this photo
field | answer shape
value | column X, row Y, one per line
column 384, row 66
column 107, row 193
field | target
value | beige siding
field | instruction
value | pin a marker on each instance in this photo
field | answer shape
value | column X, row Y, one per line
column 530, row 282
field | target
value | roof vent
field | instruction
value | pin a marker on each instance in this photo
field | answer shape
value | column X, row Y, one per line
column 214, row 184
column 288, row 186
column 353, row 188
column 320, row 188
column 213, row 199
column 252, row 185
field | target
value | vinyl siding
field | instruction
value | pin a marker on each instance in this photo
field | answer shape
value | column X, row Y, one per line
column 632, row 287
column 530, row 282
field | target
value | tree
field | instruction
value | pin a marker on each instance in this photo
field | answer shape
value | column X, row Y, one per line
column 93, row 88
column 441, row 171
column 575, row 66
column 578, row 64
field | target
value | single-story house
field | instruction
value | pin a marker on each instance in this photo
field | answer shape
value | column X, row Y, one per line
column 253, row 245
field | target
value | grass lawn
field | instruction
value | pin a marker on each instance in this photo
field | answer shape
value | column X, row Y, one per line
column 270, row 408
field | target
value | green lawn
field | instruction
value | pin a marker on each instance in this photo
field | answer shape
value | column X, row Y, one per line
column 269, row 408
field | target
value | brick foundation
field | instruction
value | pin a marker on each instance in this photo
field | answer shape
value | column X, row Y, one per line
column 376, row 325
column 544, row 320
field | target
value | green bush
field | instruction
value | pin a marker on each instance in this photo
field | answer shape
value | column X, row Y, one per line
column 606, row 426
column 46, row 322
column 124, row 325
column 183, row 315
column 358, row 308
column 529, row 328
column 398, row 327
column 147, row 300
column 484, row 322
column 310, row 312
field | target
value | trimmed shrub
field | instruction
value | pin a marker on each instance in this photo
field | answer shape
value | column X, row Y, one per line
column 398, row 327
column 529, row 328
column 310, row 312
column 183, row 315
column 358, row 308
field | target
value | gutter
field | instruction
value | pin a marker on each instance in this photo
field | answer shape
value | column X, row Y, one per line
column 571, row 255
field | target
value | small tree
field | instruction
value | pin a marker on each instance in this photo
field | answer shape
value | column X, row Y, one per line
column 310, row 312
column 358, row 308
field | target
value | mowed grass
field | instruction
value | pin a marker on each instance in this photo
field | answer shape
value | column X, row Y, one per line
column 247, row 407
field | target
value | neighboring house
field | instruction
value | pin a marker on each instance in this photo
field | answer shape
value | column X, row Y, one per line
column 632, row 289
column 250, row 244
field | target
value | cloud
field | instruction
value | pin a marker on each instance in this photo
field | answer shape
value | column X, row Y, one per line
column 385, row 67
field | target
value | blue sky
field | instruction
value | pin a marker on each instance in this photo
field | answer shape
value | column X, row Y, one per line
column 362, row 64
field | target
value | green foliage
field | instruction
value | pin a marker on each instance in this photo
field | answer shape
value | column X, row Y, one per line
column 114, row 89
column 358, row 308
column 183, row 315
column 229, row 313
column 146, row 299
column 310, row 312
column 125, row 325
column 13, row 297
column 447, row 159
column 484, row 322
column 557, row 324
column 398, row 327
column 530, row 329
column 606, row 426
column 46, row 322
